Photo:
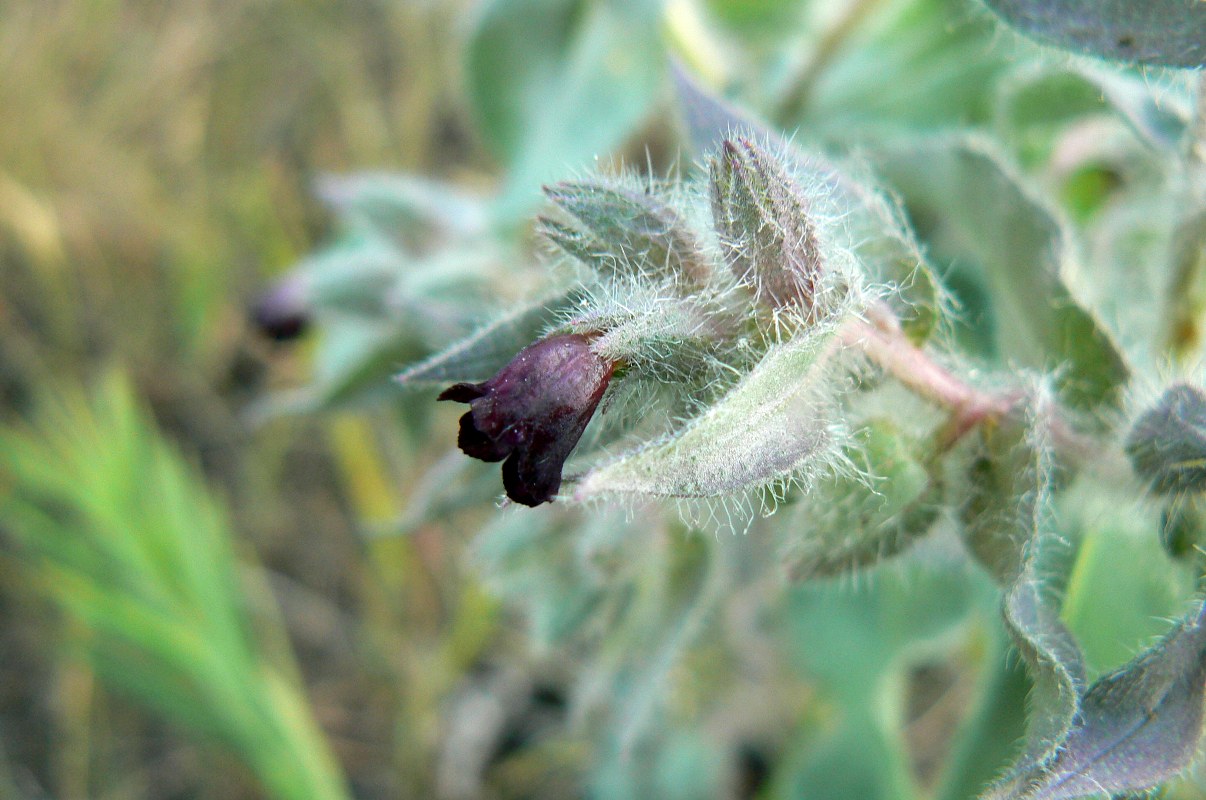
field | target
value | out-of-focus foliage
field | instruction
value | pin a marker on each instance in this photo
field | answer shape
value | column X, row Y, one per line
column 885, row 499
column 113, row 526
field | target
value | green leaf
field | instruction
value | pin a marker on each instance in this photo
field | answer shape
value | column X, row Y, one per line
column 554, row 83
column 1135, row 727
column 910, row 65
column 1167, row 443
column 978, row 219
column 1037, row 104
column 1169, row 33
column 1007, row 526
column 848, row 522
column 857, row 640
column 621, row 231
column 1123, row 587
column 484, row 352
column 1010, row 488
column 405, row 206
column 372, row 321
column 771, row 425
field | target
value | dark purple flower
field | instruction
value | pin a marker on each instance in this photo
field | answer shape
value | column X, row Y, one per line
column 282, row 313
column 533, row 412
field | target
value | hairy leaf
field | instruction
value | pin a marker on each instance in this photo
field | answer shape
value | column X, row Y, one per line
column 1167, row 444
column 772, row 424
column 619, row 231
column 886, row 250
column 1006, row 524
column 847, row 522
column 1169, row 33
column 1135, row 727
column 484, row 352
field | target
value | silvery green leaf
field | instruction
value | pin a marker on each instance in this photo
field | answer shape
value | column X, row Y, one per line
column 1135, row 727
column 761, row 215
column 1170, row 33
column 354, row 359
column 772, row 424
column 1009, row 485
column 355, row 275
column 1167, row 444
column 485, row 351
column 995, row 235
column 845, row 522
column 402, row 205
column 1056, row 670
column 621, row 231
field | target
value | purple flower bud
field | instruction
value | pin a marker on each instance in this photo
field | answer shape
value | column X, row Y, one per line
column 282, row 313
column 533, row 412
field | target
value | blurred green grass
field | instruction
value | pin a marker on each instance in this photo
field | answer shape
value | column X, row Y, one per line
column 156, row 169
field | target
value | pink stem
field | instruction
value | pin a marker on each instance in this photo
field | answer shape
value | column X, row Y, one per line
column 882, row 340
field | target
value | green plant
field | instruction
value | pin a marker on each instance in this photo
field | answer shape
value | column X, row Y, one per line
column 114, row 527
column 932, row 340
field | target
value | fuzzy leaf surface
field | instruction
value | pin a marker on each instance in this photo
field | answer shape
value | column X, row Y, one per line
column 979, row 220
column 762, row 218
column 1006, row 525
column 1136, row 727
column 620, row 231
column 846, row 522
column 768, row 426
column 1168, row 33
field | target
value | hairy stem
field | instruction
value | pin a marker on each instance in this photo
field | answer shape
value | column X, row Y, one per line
column 880, row 337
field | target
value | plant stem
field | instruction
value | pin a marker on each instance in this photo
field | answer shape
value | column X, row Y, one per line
column 880, row 337
column 882, row 340
column 795, row 98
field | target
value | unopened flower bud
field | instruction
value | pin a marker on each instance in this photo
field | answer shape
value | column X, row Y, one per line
column 282, row 313
column 761, row 215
